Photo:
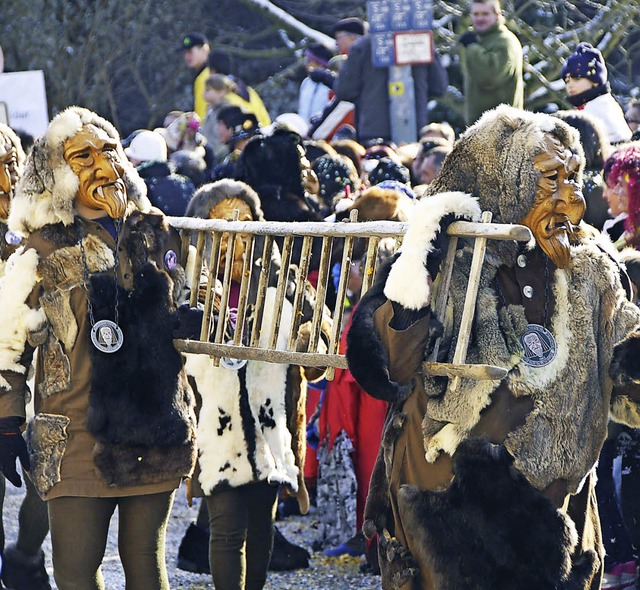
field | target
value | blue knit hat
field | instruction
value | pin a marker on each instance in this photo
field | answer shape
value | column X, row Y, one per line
column 586, row 62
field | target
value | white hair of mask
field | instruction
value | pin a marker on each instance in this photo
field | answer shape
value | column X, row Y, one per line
column 48, row 187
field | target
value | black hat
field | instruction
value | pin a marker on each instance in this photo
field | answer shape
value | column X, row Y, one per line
column 319, row 53
column 586, row 62
column 387, row 169
column 351, row 25
column 219, row 61
column 192, row 40
column 241, row 123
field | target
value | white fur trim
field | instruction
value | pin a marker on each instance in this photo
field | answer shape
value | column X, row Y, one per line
column 64, row 126
column 17, row 319
column 408, row 281
column 266, row 383
column 222, row 455
column 447, row 439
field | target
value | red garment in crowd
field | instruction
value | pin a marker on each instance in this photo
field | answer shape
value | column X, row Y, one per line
column 348, row 407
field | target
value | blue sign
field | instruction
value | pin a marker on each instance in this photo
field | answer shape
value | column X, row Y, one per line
column 383, row 49
column 379, row 15
column 387, row 17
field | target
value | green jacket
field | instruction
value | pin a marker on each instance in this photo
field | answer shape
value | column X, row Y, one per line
column 492, row 71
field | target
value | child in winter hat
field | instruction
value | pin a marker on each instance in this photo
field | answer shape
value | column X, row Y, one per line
column 585, row 76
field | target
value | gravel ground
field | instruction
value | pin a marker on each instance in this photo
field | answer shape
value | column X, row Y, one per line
column 325, row 573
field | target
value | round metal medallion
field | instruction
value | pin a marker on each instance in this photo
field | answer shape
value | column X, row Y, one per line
column 539, row 345
column 107, row 336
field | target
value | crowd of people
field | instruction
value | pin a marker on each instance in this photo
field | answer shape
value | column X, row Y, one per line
column 485, row 486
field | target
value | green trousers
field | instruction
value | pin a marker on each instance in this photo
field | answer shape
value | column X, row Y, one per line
column 79, row 529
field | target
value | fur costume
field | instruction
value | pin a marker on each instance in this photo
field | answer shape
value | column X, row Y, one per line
column 242, row 432
column 131, row 410
column 271, row 165
column 12, row 144
column 493, row 161
column 252, row 422
column 491, row 530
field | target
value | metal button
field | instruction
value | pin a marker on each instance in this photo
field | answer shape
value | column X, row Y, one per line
column 522, row 261
column 528, row 291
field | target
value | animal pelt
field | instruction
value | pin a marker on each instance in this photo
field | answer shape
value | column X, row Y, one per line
column 377, row 511
column 139, row 394
column 122, row 465
column 625, row 369
column 243, row 434
column 46, row 438
column 424, row 246
column 64, row 268
column 17, row 319
column 280, row 205
column 57, row 377
column 491, row 530
column 295, row 403
column 367, row 356
column 209, row 195
column 404, row 280
column 149, row 237
column 626, row 377
column 376, row 204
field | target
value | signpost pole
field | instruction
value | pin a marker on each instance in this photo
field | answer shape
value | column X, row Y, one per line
column 401, row 36
column 402, row 105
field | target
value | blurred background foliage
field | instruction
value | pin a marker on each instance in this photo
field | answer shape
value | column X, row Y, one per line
column 122, row 58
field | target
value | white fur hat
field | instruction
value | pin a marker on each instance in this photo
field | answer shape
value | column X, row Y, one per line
column 45, row 194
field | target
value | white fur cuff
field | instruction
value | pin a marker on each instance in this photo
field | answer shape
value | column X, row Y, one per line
column 408, row 281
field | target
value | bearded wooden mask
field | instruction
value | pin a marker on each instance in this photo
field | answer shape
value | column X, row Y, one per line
column 559, row 204
column 224, row 210
column 94, row 158
column 9, row 174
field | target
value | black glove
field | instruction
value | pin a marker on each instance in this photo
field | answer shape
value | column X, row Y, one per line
column 324, row 76
column 468, row 38
column 12, row 447
column 188, row 322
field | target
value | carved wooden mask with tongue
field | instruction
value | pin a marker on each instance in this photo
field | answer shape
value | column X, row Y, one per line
column 94, row 158
column 559, row 204
column 8, row 174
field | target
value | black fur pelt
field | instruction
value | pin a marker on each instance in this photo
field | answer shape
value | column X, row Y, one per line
column 491, row 530
column 138, row 394
column 367, row 357
column 625, row 369
column 377, row 510
column 278, row 204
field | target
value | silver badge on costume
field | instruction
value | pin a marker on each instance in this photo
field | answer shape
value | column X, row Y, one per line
column 232, row 364
column 539, row 345
column 107, row 336
column 12, row 239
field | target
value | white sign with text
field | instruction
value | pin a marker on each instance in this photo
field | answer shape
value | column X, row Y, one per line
column 23, row 101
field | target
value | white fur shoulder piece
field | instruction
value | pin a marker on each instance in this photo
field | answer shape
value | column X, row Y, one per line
column 408, row 281
column 17, row 319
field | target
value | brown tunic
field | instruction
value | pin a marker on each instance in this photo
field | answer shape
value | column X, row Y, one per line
column 504, row 414
column 78, row 474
